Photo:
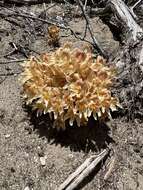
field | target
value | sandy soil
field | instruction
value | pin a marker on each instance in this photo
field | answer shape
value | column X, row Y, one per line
column 25, row 139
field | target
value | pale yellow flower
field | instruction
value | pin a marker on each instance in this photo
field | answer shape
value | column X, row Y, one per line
column 70, row 85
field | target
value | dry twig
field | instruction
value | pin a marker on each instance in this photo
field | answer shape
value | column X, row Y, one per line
column 133, row 7
column 51, row 22
column 12, row 61
column 111, row 168
column 95, row 42
column 82, row 171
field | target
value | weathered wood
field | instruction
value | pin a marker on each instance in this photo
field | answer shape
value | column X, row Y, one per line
column 133, row 7
column 87, row 171
column 141, row 59
column 111, row 168
column 123, row 13
column 82, row 172
column 76, row 173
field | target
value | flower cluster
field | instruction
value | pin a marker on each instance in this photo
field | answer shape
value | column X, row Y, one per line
column 70, row 85
column 53, row 35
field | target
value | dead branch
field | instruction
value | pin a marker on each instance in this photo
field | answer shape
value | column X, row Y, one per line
column 123, row 13
column 141, row 59
column 133, row 7
column 95, row 42
column 139, row 1
column 125, row 16
column 77, row 172
column 82, row 172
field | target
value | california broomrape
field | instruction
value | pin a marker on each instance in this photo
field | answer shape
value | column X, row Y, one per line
column 70, row 85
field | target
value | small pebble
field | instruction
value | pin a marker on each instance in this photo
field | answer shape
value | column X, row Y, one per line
column 43, row 161
column 26, row 188
column 71, row 156
column 7, row 136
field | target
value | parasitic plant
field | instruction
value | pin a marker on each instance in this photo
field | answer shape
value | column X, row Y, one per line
column 69, row 85
column 53, row 35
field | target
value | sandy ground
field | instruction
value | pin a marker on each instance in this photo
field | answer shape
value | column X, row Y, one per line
column 26, row 140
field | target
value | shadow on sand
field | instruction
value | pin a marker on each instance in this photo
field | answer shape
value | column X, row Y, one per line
column 93, row 137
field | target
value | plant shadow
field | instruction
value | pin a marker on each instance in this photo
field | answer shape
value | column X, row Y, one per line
column 93, row 137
